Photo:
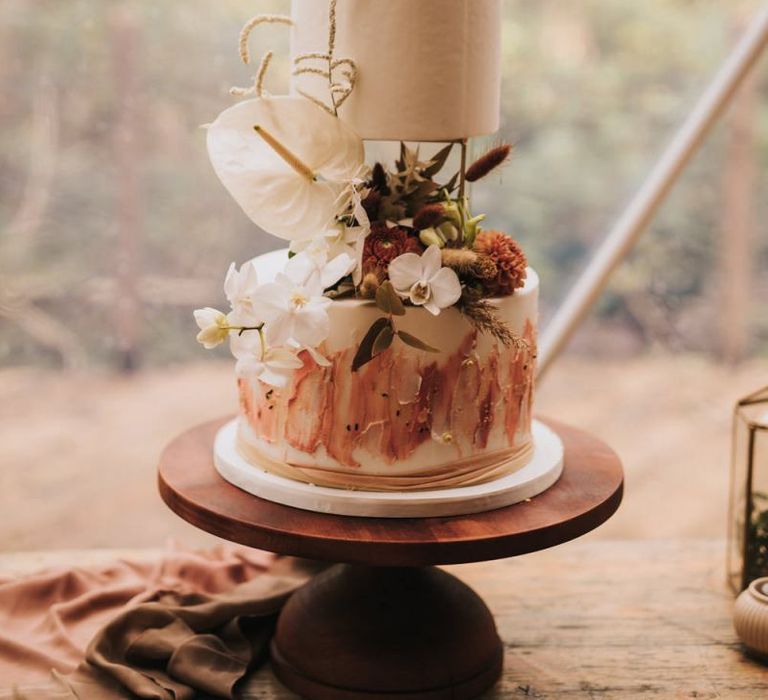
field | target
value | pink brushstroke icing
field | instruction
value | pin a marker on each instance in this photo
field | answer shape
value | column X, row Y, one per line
column 461, row 398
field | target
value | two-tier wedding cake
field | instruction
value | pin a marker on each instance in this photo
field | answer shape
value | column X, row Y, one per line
column 387, row 356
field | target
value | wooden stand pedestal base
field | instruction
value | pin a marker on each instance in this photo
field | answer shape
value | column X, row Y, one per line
column 386, row 624
column 358, row 633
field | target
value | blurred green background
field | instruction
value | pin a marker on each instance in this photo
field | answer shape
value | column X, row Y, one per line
column 113, row 226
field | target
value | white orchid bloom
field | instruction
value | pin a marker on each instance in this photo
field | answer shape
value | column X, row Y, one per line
column 214, row 327
column 313, row 268
column 289, row 177
column 340, row 238
column 241, row 287
column 273, row 366
column 294, row 307
column 423, row 280
column 337, row 240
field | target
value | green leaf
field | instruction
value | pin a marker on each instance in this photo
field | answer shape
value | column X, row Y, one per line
column 383, row 340
column 438, row 161
column 388, row 301
column 450, row 186
column 414, row 342
column 364, row 353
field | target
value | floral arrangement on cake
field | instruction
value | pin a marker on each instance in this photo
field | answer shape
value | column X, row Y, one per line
column 399, row 238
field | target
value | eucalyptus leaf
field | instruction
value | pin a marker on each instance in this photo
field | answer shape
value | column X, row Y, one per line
column 364, row 353
column 414, row 342
column 388, row 300
column 383, row 340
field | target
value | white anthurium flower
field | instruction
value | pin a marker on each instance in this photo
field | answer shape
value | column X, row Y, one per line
column 423, row 280
column 295, row 310
column 241, row 287
column 214, row 327
column 273, row 366
column 288, row 177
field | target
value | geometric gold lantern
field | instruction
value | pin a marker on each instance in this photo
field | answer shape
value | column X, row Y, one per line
column 748, row 518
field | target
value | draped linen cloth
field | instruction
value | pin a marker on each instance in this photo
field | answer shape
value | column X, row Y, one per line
column 188, row 625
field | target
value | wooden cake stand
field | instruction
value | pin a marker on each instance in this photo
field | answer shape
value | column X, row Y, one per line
column 385, row 623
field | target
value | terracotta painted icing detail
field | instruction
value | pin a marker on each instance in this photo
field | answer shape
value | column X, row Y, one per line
column 400, row 400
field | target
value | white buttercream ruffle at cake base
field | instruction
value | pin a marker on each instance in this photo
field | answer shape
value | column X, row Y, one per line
column 541, row 472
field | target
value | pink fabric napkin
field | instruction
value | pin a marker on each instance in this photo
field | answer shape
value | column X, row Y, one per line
column 167, row 629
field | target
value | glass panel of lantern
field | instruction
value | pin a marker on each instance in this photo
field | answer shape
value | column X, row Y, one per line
column 748, row 518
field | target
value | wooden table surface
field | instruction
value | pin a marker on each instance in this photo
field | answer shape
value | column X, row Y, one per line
column 588, row 620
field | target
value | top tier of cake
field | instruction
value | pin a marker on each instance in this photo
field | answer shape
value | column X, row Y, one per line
column 428, row 70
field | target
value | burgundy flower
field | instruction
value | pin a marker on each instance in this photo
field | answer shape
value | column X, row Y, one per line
column 384, row 244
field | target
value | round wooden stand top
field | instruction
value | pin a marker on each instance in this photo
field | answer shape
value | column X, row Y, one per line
column 586, row 495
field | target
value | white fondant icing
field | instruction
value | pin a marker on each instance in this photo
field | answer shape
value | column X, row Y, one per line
column 429, row 70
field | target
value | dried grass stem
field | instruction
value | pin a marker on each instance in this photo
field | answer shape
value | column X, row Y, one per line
column 484, row 317
column 488, row 162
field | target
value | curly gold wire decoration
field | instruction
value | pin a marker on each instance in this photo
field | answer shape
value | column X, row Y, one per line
column 258, row 82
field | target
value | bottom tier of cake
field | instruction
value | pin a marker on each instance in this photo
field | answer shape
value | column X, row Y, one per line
column 409, row 420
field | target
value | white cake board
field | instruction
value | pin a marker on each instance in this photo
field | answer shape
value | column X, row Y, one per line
column 539, row 474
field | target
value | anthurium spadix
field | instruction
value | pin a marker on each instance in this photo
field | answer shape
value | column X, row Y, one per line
column 286, row 162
